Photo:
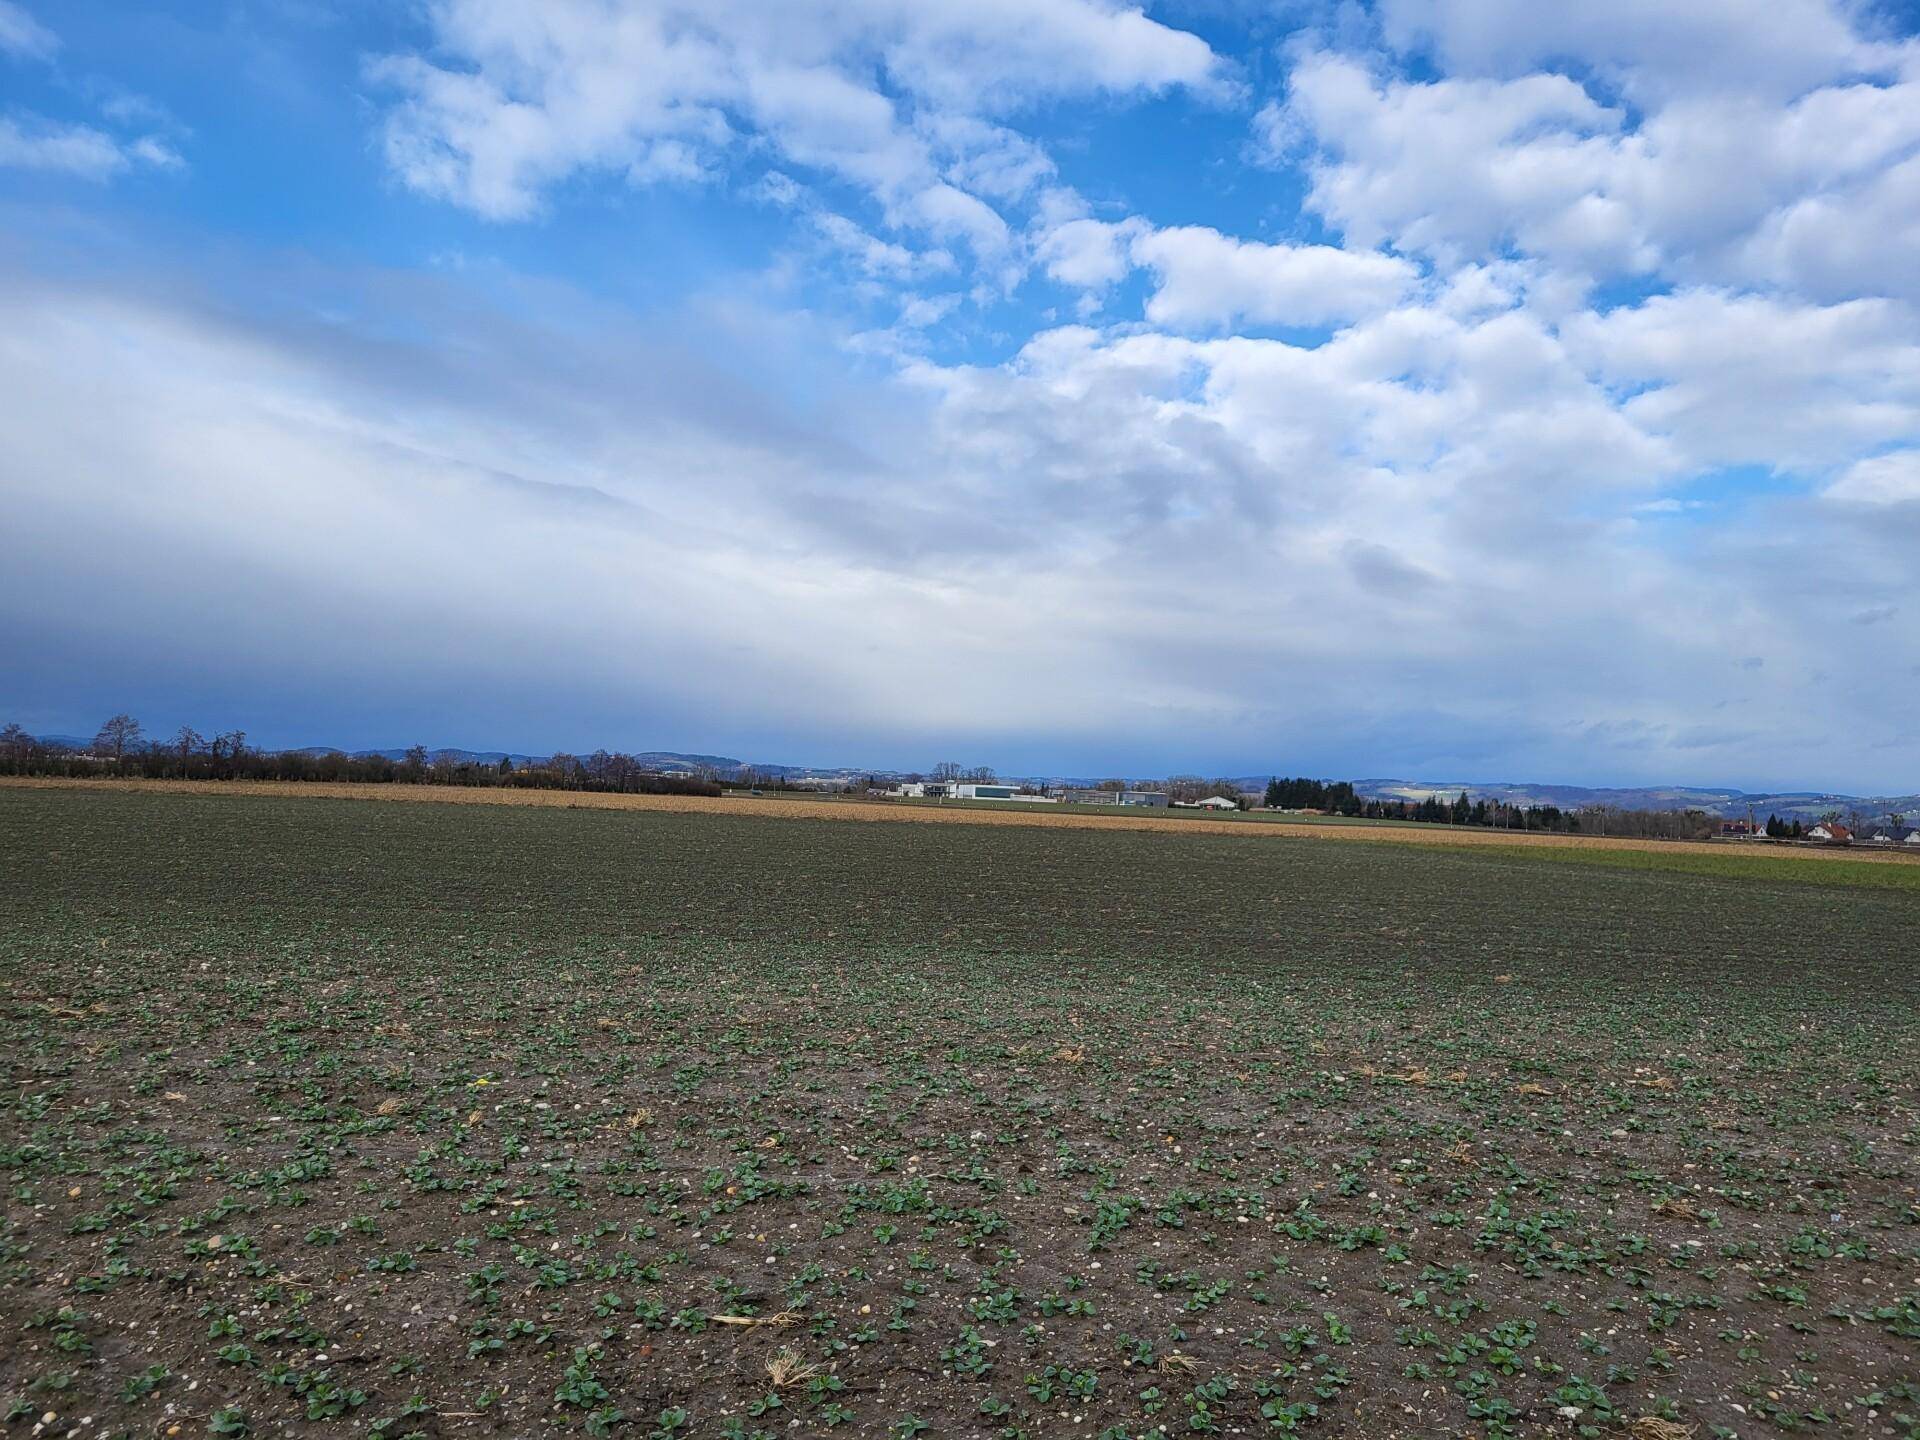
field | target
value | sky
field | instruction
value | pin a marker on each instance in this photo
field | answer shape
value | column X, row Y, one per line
column 1447, row 389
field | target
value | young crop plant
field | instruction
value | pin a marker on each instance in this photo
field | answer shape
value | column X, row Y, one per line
column 703, row 1126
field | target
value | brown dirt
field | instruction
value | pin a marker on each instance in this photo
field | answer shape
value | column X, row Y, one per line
column 884, row 811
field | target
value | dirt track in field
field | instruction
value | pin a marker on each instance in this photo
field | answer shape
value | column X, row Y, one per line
column 882, row 812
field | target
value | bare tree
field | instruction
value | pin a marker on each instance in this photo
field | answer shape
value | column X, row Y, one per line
column 116, row 737
column 187, row 740
column 947, row 770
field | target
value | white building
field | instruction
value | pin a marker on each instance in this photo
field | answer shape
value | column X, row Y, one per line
column 973, row 790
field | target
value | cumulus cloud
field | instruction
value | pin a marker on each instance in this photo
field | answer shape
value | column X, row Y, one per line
column 1648, row 47
column 1087, row 253
column 1204, row 280
column 1706, row 185
column 518, row 98
column 1741, row 379
column 1456, row 167
column 1209, row 279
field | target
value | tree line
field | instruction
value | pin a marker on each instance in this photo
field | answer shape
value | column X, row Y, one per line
column 1338, row 797
column 122, row 748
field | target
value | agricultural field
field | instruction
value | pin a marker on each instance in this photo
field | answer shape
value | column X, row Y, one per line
column 442, row 1119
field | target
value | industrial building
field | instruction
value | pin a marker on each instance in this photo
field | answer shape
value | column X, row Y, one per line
column 1155, row 799
column 971, row 790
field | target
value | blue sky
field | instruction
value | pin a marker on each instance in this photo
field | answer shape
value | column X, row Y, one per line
column 1471, row 389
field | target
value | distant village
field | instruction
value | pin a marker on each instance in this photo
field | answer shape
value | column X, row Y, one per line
column 1309, row 798
column 1892, row 831
column 988, row 790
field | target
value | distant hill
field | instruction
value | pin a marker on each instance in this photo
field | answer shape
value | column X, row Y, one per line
column 66, row 742
column 1729, row 804
column 671, row 762
column 446, row 754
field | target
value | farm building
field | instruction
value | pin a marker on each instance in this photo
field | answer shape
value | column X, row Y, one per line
column 970, row 790
column 1212, row 802
column 1152, row 798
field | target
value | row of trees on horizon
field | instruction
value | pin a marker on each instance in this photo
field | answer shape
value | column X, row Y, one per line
column 1338, row 797
column 122, row 748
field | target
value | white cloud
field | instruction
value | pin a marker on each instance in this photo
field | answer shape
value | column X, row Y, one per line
column 1891, row 479
column 986, row 159
column 21, row 35
column 1840, row 242
column 33, row 143
column 877, row 258
column 519, row 98
column 1650, row 47
column 1087, row 253
column 924, row 310
column 946, row 211
column 1707, row 184
column 1206, row 279
column 1746, row 380
column 1458, row 167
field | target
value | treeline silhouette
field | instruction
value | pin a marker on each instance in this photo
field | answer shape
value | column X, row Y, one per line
column 1338, row 797
column 123, row 749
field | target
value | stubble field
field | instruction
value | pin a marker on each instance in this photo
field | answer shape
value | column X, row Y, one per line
column 470, row 1120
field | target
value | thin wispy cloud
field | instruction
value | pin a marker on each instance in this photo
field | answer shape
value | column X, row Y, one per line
column 22, row 36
